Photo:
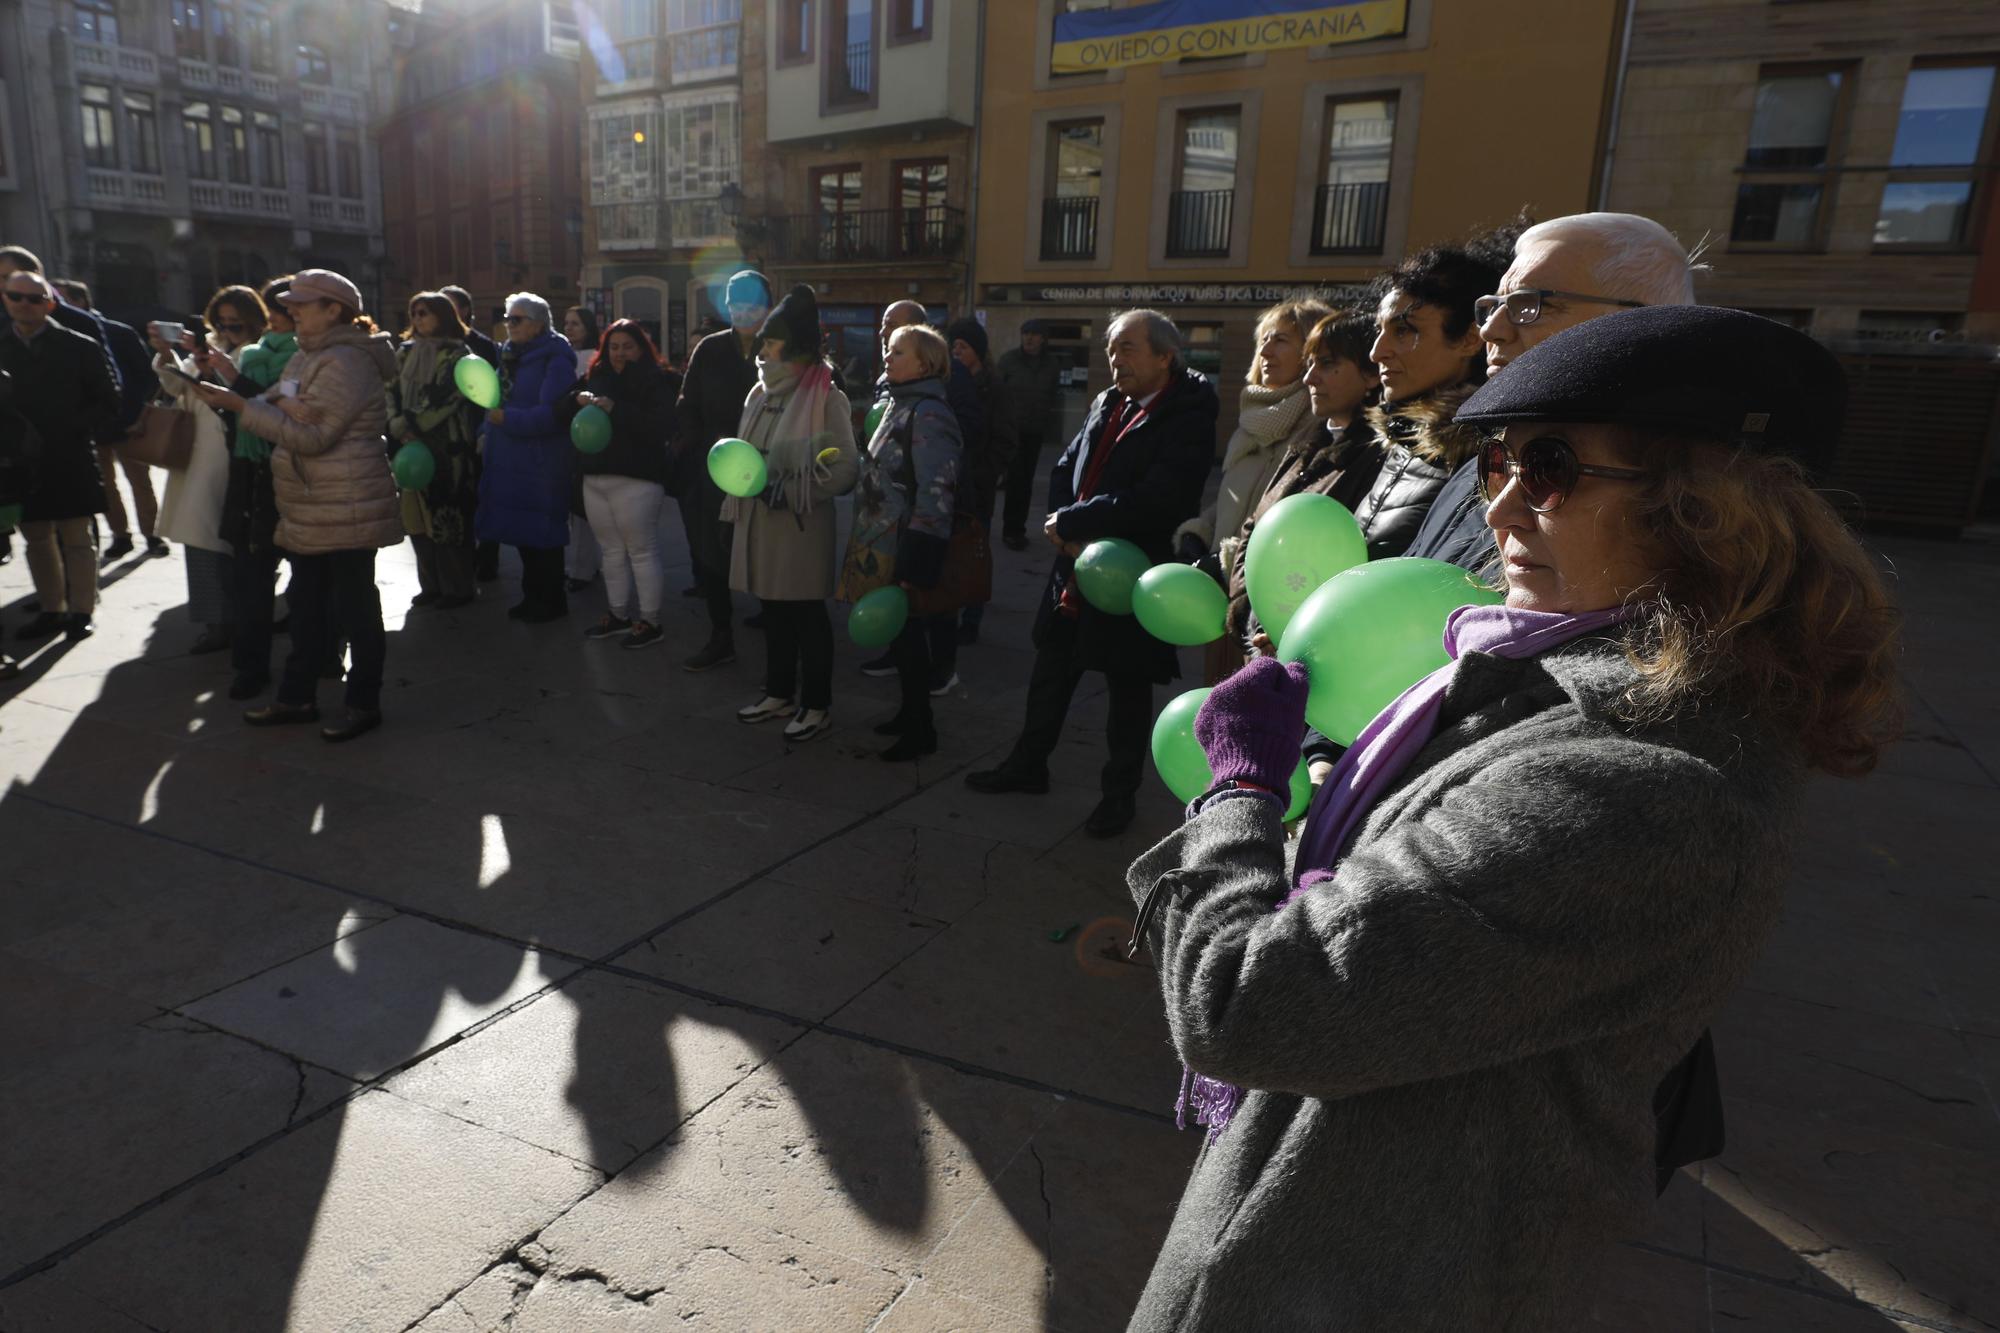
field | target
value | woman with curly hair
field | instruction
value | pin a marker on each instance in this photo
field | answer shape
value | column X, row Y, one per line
column 425, row 408
column 1425, row 1040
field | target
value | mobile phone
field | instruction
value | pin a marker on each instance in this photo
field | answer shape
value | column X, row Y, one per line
column 170, row 331
column 182, row 374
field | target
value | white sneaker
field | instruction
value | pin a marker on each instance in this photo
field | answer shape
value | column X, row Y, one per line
column 940, row 691
column 809, row 723
column 765, row 710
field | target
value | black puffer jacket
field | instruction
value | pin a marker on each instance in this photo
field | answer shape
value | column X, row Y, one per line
column 1421, row 447
column 720, row 376
column 642, row 421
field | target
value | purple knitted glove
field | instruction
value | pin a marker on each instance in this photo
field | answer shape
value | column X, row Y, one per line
column 1252, row 725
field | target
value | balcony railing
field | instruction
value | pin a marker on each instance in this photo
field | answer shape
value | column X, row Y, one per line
column 876, row 235
column 854, row 80
column 1349, row 219
column 1069, row 227
column 1198, row 223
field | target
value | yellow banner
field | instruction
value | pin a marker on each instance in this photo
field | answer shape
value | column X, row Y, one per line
column 1356, row 21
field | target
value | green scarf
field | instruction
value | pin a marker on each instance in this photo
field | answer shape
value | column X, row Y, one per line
column 263, row 364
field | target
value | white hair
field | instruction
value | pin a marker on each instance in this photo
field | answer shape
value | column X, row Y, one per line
column 1638, row 260
column 534, row 305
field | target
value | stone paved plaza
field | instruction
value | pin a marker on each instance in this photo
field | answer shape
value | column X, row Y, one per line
column 565, row 1002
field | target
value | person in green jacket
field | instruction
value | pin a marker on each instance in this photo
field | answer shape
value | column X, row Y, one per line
column 249, row 511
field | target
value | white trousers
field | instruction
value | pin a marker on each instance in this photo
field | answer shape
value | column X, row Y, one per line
column 624, row 515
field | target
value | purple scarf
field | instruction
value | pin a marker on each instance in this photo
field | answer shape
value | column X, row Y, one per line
column 1377, row 758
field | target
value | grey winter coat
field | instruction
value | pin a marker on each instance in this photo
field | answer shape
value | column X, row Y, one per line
column 1449, row 1054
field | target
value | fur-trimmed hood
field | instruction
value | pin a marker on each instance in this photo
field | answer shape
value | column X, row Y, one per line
column 1425, row 427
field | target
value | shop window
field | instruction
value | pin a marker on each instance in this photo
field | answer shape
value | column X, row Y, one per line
column 1201, row 207
column 1945, row 121
column 100, row 134
column 1800, row 110
column 1070, row 196
column 1351, row 206
column 1909, row 326
column 1202, row 349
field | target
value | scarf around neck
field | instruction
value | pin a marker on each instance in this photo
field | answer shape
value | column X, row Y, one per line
column 420, row 362
column 798, row 394
column 1264, row 417
column 1380, row 754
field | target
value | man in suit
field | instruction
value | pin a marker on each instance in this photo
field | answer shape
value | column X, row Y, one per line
column 1135, row 471
column 134, row 364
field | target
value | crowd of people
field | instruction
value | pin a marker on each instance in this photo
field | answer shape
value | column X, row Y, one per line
column 1447, row 1033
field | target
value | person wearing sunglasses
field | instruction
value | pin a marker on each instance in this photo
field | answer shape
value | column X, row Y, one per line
column 525, row 477
column 1427, row 349
column 1425, row 1041
column 1564, row 271
column 64, row 389
column 194, row 509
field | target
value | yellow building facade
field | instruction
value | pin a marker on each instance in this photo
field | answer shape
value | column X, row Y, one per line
column 1211, row 188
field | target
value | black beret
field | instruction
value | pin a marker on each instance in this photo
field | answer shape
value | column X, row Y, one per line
column 1737, row 378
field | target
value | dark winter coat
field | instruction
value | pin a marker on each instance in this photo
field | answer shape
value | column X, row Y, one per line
column 719, row 378
column 642, row 421
column 1341, row 466
column 524, row 481
column 1454, row 528
column 989, row 431
column 1150, row 486
column 65, row 389
column 133, row 360
column 908, row 493
column 1449, row 1053
column 1421, row 447
column 1033, row 387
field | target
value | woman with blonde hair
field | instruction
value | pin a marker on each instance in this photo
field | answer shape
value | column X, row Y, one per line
column 425, row 407
column 1425, row 1040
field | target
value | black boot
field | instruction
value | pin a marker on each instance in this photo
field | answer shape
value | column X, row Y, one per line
column 913, row 744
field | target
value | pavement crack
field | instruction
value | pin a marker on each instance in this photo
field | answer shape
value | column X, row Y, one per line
column 639, row 1297
column 1897, row 1083
column 1049, row 1225
column 299, row 1093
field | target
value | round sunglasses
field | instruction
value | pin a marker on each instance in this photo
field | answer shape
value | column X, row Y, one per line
column 1547, row 468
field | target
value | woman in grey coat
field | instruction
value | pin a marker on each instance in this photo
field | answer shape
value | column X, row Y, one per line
column 1425, row 1040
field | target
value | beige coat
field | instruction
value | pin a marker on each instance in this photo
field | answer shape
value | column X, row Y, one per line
column 331, row 470
column 191, row 510
column 779, row 555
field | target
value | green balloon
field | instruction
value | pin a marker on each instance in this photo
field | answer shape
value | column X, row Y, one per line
column 879, row 617
column 737, row 468
column 1181, row 605
column 413, row 466
column 591, row 431
column 1372, row 632
column 10, row 516
column 1184, row 768
column 1299, row 543
column 875, row 414
column 1108, row 571
column 477, row 380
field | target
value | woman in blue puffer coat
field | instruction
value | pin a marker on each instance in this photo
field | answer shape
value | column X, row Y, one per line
column 526, row 458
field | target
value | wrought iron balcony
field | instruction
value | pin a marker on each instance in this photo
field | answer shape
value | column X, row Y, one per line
column 1069, row 227
column 876, row 235
column 853, row 79
column 1350, row 219
column 1198, row 223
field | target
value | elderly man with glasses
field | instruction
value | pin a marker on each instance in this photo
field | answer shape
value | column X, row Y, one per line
column 65, row 393
column 1565, row 271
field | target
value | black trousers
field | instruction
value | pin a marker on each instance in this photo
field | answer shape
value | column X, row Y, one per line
column 799, row 638
column 1022, row 474
column 254, row 574
column 542, row 576
column 333, row 596
column 912, row 652
column 708, row 548
column 941, row 640
column 1053, row 684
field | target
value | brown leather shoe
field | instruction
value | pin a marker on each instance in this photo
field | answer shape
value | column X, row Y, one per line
column 352, row 722
column 278, row 715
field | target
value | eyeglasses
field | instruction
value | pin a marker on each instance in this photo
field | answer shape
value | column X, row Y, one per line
column 518, row 319
column 27, row 298
column 229, row 328
column 1547, row 468
column 1525, row 306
